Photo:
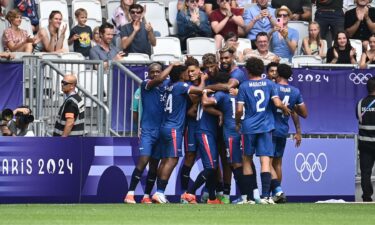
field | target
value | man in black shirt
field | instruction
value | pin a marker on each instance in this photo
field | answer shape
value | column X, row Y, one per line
column 366, row 139
column 359, row 22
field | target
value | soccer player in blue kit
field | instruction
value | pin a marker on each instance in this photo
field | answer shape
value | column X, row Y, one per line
column 190, row 143
column 152, row 92
column 226, row 103
column 292, row 98
column 256, row 95
column 237, row 76
column 172, row 127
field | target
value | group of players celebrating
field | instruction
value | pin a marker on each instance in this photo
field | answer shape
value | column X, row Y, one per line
column 223, row 114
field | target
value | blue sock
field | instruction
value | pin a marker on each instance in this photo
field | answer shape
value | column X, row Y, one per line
column 227, row 189
column 266, row 183
column 201, row 179
column 161, row 185
column 238, row 176
column 247, row 187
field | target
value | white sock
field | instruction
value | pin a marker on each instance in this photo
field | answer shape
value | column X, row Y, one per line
column 256, row 194
column 146, row 196
column 130, row 193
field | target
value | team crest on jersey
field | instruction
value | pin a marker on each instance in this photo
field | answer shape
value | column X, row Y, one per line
column 185, row 85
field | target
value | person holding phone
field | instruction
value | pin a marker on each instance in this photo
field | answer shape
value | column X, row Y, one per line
column 16, row 39
column 138, row 35
column 284, row 40
column 258, row 18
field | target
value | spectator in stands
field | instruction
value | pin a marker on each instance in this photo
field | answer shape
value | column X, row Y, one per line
column 313, row 44
column 95, row 37
column 330, row 17
column 259, row 18
column 70, row 120
column 368, row 56
column 231, row 41
column 52, row 37
column 121, row 15
column 284, row 39
column 81, row 35
column 365, row 112
column 262, row 52
column 192, row 22
column 360, row 22
column 341, row 52
column 224, row 20
column 105, row 50
column 16, row 39
column 137, row 36
column 29, row 9
column 3, row 4
column 301, row 9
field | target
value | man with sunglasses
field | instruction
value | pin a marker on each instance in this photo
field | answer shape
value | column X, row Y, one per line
column 137, row 36
column 70, row 120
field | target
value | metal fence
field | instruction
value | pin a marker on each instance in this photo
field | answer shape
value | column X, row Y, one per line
column 42, row 92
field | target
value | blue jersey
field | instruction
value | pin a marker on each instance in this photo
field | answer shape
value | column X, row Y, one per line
column 256, row 96
column 239, row 75
column 207, row 122
column 175, row 105
column 227, row 105
column 290, row 96
column 153, row 104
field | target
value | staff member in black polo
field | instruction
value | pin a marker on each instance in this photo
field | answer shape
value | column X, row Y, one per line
column 71, row 118
column 366, row 139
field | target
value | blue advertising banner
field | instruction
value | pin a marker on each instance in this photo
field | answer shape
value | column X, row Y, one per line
column 319, row 167
column 331, row 97
column 73, row 170
column 11, row 85
column 40, row 169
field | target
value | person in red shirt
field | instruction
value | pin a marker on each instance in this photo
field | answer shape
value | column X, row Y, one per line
column 224, row 20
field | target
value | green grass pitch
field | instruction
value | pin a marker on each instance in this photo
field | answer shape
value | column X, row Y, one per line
column 288, row 214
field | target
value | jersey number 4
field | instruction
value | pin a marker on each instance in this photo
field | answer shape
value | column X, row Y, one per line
column 169, row 104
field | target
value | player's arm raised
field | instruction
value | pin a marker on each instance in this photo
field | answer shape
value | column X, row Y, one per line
column 232, row 83
column 163, row 75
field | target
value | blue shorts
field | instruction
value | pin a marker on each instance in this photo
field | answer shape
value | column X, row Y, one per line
column 190, row 142
column 149, row 143
column 207, row 149
column 279, row 144
column 258, row 144
column 171, row 143
column 233, row 147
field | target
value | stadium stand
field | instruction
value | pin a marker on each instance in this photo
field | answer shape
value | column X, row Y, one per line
column 111, row 5
column 195, row 49
column 26, row 25
column 155, row 14
column 243, row 44
column 3, row 26
column 172, row 17
column 305, row 59
column 357, row 45
column 166, row 47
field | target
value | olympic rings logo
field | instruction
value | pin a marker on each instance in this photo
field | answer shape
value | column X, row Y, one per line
column 360, row 78
column 311, row 166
